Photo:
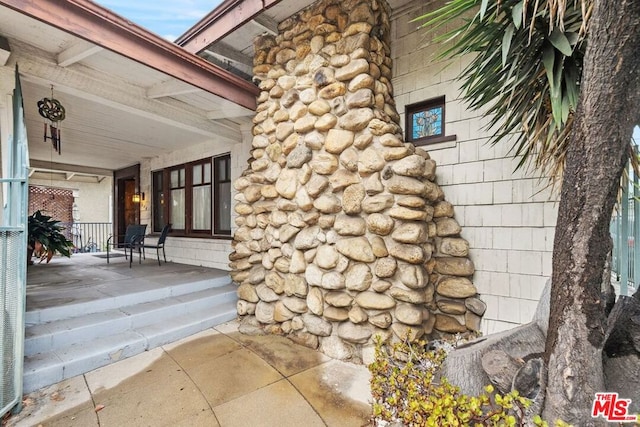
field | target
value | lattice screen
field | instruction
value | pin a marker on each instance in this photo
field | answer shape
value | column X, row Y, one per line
column 55, row 202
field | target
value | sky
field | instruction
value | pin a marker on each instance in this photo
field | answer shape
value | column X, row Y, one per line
column 167, row 18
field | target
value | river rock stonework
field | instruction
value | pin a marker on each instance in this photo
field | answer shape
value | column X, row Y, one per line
column 343, row 233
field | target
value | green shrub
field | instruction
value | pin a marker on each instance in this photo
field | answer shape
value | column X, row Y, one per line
column 406, row 390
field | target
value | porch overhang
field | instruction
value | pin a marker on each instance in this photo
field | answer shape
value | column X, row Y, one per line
column 223, row 20
column 103, row 28
column 129, row 94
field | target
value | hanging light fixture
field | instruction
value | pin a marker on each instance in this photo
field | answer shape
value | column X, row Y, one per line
column 52, row 110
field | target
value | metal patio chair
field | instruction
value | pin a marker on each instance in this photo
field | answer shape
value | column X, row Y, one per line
column 133, row 238
column 159, row 244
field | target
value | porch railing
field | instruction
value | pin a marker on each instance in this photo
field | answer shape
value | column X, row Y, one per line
column 88, row 236
column 13, row 256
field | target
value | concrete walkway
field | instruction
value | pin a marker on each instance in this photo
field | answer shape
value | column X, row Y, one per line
column 218, row 377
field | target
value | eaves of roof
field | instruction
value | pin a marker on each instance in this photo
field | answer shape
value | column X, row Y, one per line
column 224, row 19
column 98, row 25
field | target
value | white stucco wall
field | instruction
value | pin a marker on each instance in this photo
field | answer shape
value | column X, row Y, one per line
column 508, row 217
column 195, row 251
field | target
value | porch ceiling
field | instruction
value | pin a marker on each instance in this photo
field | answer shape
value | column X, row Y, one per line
column 118, row 109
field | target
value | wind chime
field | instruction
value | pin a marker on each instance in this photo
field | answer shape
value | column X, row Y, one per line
column 52, row 110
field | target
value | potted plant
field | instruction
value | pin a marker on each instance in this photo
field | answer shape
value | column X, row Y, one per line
column 46, row 238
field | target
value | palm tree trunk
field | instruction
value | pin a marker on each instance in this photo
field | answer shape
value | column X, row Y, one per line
column 608, row 111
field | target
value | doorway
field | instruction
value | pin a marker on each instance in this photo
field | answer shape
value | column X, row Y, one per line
column 126, row 210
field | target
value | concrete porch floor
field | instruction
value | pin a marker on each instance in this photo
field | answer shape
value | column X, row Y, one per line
column 87, row 277
column 218, row 377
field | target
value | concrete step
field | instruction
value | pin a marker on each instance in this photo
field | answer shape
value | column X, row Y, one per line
column 65, row 348
column 67, row 311
column 58, row 334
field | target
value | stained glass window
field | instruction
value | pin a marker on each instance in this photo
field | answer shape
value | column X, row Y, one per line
column 425, row 122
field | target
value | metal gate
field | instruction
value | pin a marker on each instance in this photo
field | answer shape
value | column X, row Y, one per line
column 13, row 257
column 625, row 231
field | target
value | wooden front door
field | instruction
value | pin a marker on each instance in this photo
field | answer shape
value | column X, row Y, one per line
column 126, row 184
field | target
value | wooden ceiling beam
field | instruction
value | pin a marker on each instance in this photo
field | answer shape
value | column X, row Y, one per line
column 77, row 52
column 44, row 166
column 170, row 88
column 266, row 23
column 226, row 51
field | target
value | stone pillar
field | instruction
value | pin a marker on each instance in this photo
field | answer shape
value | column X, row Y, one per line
column 343, row 232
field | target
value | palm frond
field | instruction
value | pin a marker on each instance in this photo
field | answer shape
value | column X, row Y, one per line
column 525, row 72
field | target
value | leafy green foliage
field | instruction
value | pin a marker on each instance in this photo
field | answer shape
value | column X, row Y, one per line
column 406, row 389
column 46, row 237
column 526, row 68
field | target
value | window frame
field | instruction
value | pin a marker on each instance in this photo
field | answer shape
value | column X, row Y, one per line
column 226, row 158
column 170, row 188
column 429, row 104
column 188, row 167
column 189, row 197
column 158, row 199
